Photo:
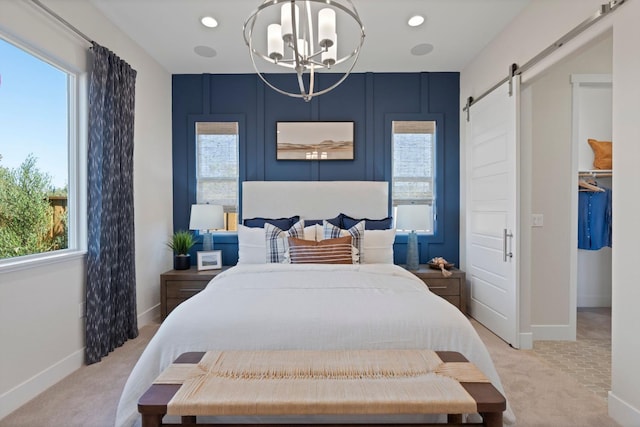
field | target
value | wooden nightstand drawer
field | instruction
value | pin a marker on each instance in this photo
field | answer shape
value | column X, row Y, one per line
column 443, row 286
column 184, row 288
column 177, row 286
column 451, row 288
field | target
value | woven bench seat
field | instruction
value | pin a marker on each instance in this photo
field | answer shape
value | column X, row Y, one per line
column 317, row 383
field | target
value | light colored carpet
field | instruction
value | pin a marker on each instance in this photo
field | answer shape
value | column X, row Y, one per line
column 89, row 396
column 588, row 359
column 540, row 393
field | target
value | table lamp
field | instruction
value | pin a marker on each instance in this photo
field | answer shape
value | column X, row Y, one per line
column 412, row 218
column 205, row 218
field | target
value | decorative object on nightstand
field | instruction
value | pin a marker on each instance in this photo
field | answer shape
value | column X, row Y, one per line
column 205, row 218
column 412, row 218
column 177, row 286
column 441, row 264
column 209, row 260
column 180, row 243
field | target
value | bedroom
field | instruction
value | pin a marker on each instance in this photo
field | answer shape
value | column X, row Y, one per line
column 51, row 294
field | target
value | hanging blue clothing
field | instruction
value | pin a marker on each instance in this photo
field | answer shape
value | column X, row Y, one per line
column 594, row 219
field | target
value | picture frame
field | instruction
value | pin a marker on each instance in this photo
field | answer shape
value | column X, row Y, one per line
column 209, row 260
column 315, row 140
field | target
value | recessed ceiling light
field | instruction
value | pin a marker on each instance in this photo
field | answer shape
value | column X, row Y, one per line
column 209, row 21
column 416, row 20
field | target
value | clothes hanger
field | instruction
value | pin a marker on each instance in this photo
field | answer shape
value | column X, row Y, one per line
column 587, row 186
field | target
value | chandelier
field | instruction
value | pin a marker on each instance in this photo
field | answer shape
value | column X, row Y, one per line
column 300, row 35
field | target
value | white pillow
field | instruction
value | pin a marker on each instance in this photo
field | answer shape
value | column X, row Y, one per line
column 378, row 246
column 310, row 233
column 251, row 245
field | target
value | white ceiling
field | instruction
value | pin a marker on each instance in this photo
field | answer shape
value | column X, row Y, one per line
column 169, row 30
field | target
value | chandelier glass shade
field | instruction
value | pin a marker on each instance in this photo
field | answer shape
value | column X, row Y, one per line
column 302, row 36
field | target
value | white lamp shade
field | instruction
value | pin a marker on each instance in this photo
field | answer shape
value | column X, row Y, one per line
column 331, row 55
column 206, row 217
column 287, row 24
column 326, row 27
column 413, row 217
column 275, row 46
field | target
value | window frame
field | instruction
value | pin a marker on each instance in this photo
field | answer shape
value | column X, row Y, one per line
column 77, row 141
column 192, row 166
column 200, row 178
column 438, row 173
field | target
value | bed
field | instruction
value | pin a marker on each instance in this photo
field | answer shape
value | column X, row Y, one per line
column 282, row 306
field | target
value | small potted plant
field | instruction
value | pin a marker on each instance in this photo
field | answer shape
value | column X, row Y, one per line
column 180, row 243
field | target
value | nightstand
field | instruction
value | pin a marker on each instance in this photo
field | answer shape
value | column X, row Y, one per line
column 451, row 288
column 176, row 286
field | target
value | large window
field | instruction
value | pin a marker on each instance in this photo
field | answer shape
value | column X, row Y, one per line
column 217, row 167
column 35, row 147
column 413, row 147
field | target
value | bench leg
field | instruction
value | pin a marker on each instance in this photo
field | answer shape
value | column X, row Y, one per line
column 151, row 420
column 454, row 418
column 187, row 420
column 492, row 419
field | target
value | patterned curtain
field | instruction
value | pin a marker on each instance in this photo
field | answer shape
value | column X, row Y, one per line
column 111, row 316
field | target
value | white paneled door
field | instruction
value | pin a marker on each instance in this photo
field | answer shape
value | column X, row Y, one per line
column 492, row 221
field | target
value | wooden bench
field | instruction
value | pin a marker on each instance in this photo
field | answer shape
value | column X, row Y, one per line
column 490, row 403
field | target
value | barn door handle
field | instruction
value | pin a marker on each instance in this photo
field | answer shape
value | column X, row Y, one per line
column 505, row 254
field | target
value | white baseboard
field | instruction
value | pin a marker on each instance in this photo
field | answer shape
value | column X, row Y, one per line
column 152, row 315
column 623, row 413
column 22, row 393
column 553, row 333
column 526, row 340
column 594, row 301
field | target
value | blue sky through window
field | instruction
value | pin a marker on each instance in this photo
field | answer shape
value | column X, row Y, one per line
column 33, row 113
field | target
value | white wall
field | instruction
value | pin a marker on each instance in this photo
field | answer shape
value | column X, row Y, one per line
column 41, row 331
column 539, row 25
column 624, row 399
column 551, row 191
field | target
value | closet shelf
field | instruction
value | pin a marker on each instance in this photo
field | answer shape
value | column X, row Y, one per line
column 596, row 173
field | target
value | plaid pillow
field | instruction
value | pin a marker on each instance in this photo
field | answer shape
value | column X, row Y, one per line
column 276, row 240
column 356, row 232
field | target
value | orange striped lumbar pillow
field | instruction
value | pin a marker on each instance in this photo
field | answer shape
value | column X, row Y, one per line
column 329, row 251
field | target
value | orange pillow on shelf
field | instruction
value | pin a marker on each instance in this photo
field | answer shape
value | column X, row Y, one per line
column 602, row 157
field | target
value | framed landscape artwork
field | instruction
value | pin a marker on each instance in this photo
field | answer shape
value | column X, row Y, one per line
column 209, row 260
column 314, row 140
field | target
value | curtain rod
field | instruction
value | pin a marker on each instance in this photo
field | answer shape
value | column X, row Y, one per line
column 604, row 10
column 62, row 20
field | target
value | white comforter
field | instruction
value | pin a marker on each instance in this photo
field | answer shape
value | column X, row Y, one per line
column 307, row 306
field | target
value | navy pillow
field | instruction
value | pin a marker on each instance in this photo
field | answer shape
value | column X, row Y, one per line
column 334, row 221
column 281, row 223
column 369, row 224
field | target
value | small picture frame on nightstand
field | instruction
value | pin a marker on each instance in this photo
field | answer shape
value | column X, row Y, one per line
column 209, row 260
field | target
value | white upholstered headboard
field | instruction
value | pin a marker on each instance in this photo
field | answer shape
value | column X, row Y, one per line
column 315, row 199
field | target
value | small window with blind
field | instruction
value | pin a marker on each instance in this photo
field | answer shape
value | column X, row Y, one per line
column 217, row 168
column 413, row 148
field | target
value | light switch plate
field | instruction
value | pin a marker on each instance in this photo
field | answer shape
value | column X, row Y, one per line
column 537, row 220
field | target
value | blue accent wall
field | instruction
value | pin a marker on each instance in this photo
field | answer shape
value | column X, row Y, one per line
column 371, row 100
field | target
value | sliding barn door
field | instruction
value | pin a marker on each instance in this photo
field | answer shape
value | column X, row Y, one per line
column 492, row 221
